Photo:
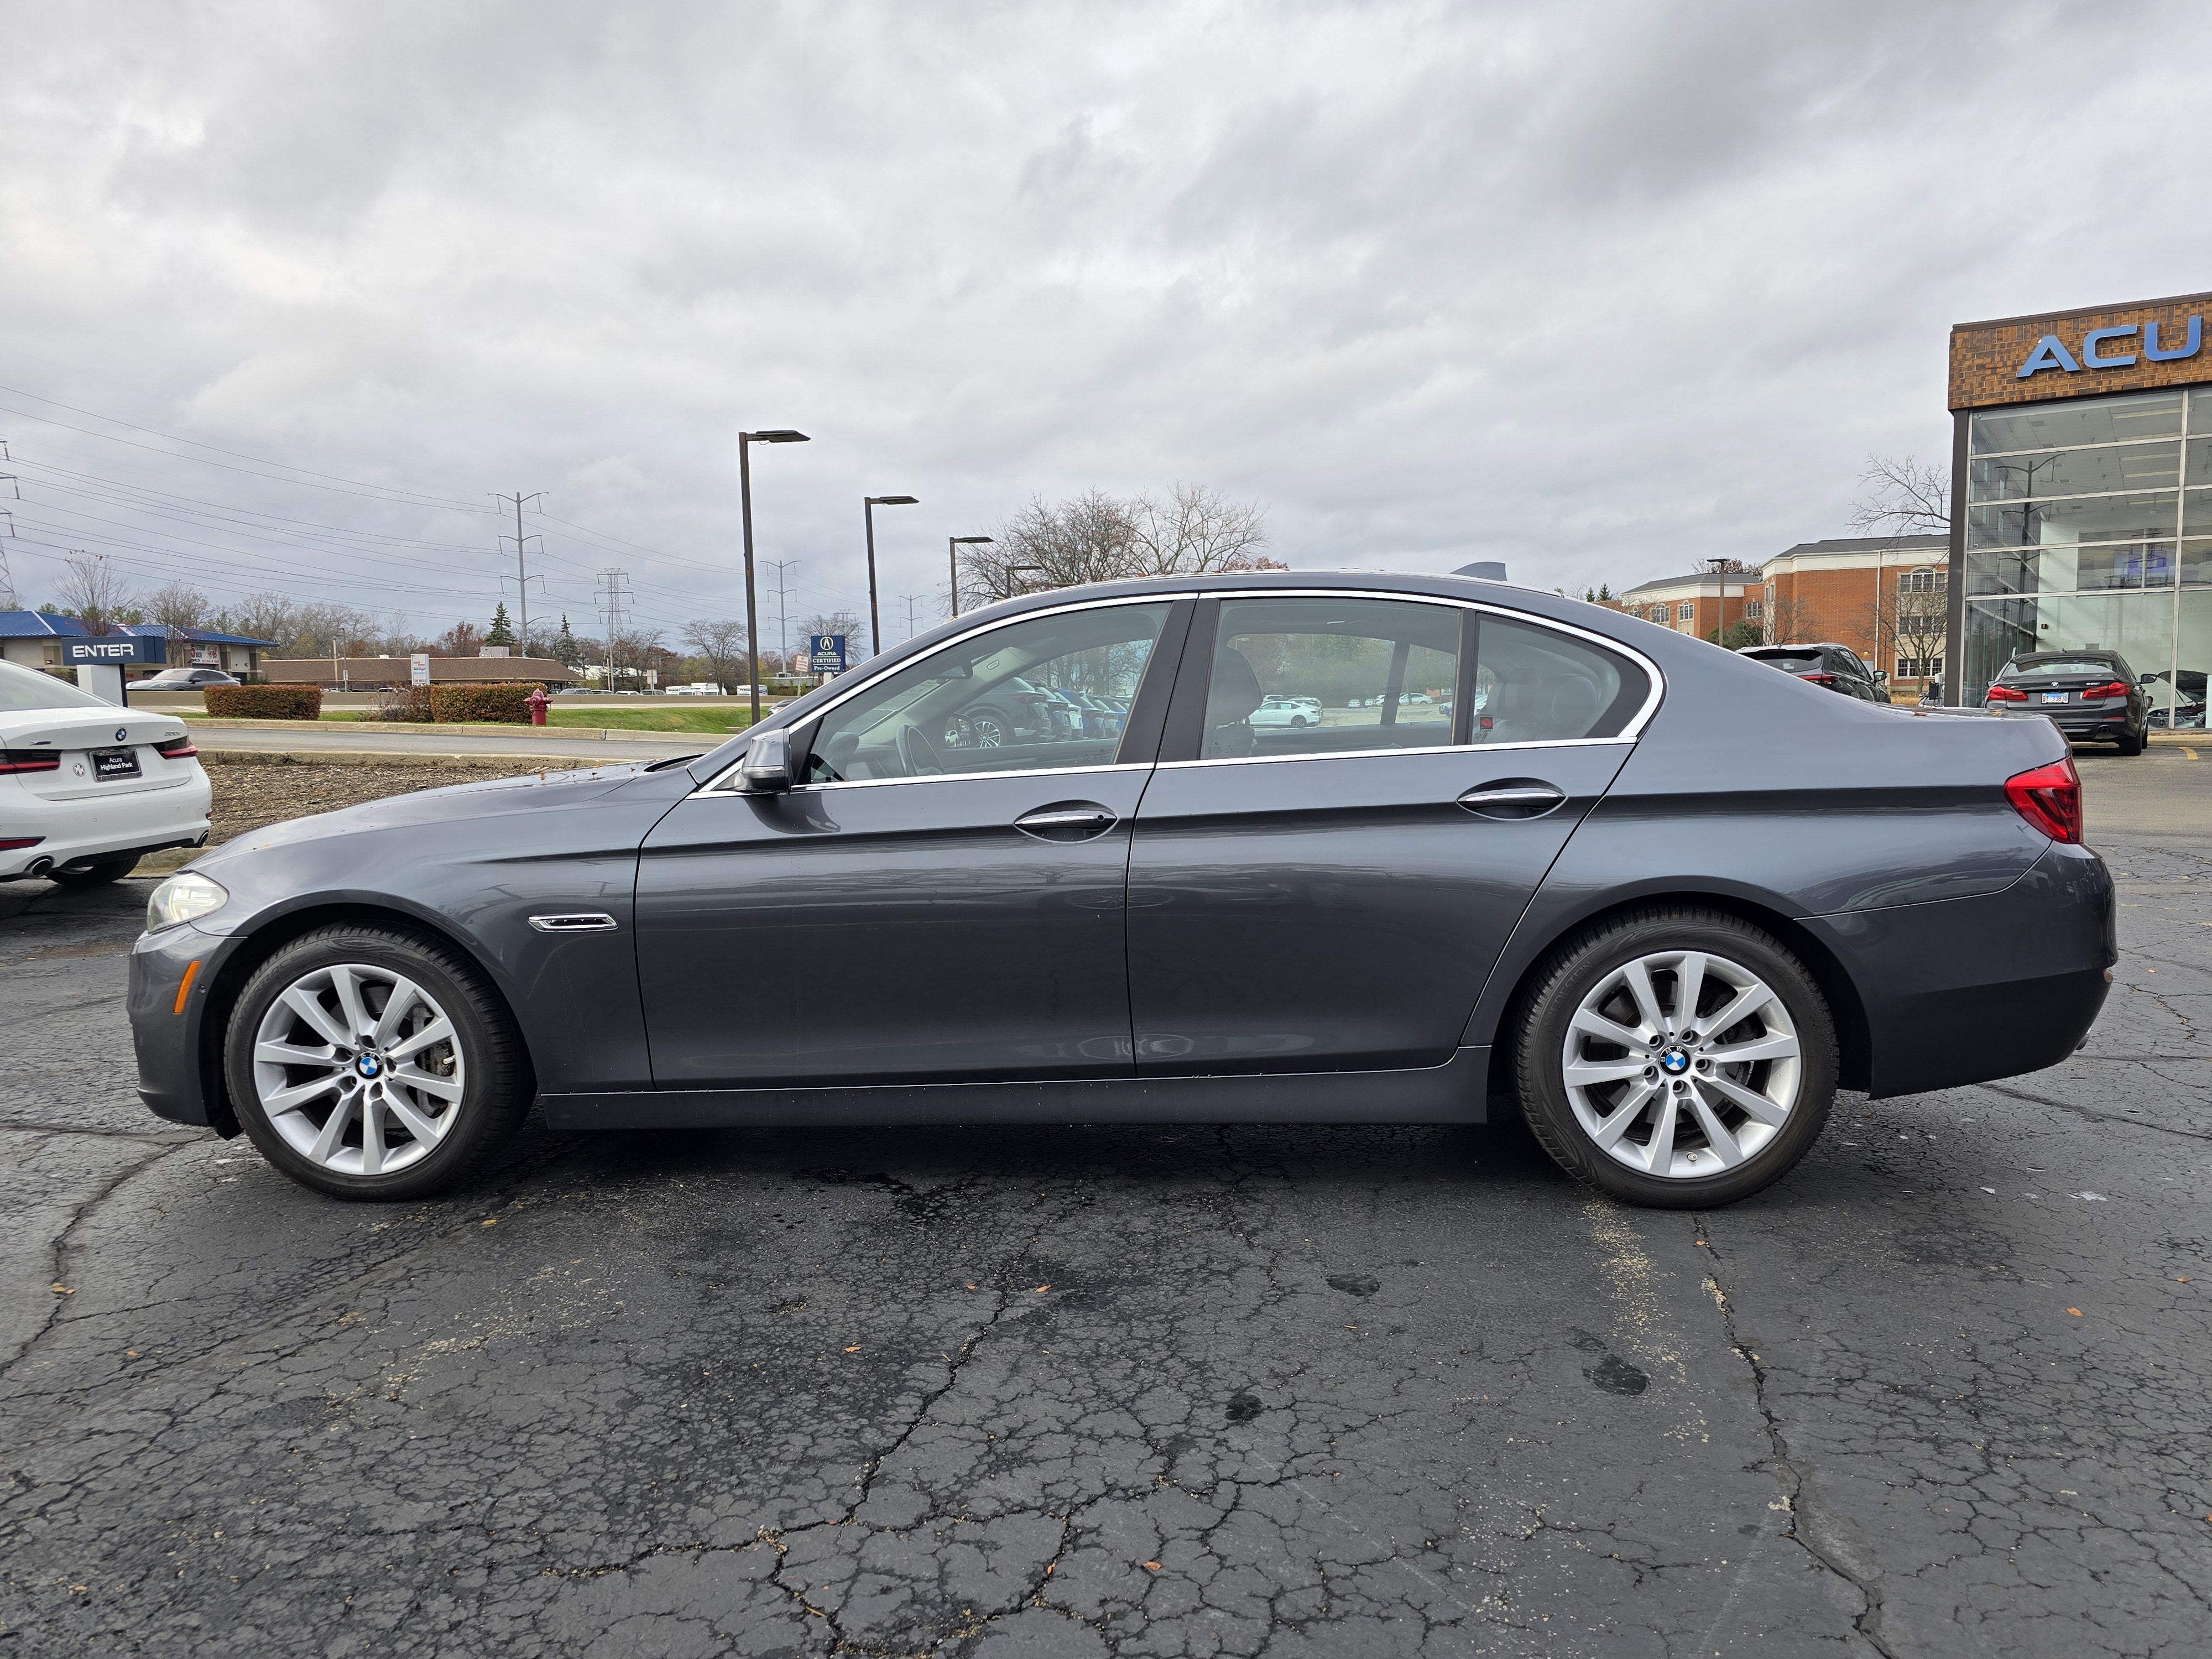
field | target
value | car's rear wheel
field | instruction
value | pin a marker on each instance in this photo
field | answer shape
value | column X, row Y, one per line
column 369, row 1063
column 2131, row 743
column 1677, row 1057
column 96, row 874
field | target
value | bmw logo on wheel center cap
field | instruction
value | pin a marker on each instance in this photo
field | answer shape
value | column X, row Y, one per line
column 1674, row 1062
column 368, row 1066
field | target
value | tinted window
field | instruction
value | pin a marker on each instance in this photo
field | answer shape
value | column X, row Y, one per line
column 2061, row 666
column 1795, row 662
column 1050, row 692
column 1534, row 685
column 1346, row 675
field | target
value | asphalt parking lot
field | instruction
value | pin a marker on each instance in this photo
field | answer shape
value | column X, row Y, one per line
column 1121, row 1391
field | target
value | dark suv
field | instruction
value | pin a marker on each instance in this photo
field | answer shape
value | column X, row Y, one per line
column 2090, row 695
column 1835, row 666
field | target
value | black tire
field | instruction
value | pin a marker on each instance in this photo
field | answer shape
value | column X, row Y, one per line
column 1580, row 966
column 96, row 875
column 2133, row 742
column 496, row 1081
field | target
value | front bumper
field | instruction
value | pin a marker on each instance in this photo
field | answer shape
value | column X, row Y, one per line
column 179, row 1065
column 1971, row 989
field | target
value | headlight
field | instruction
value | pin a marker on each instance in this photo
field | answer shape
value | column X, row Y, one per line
column 184, row 896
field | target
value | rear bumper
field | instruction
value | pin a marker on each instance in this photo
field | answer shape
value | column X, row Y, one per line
column 69, row 831
column 2079, row 724
column 1973, row 989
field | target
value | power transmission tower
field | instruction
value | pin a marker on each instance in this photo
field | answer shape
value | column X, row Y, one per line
column 910, row 598
column 614, row 599
column 521, row 577
column 783, row 622
column 8, row 600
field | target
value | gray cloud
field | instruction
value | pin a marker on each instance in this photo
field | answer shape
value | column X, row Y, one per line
column 1600, row 289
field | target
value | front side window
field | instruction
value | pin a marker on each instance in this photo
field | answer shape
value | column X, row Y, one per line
column 1051, row 692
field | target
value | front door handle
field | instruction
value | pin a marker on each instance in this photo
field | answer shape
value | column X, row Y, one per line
column 1067, row 821
column 1515, row 797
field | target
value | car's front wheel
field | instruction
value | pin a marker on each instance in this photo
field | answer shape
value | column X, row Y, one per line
column 369, row 1063
column 1677, row 1057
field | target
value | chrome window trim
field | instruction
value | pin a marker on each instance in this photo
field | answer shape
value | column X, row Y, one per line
column 1628, row 733
column 1386, row 754
column 971, row 777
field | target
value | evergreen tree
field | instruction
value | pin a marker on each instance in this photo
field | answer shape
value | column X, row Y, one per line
column 502, row 631
column 566, row 652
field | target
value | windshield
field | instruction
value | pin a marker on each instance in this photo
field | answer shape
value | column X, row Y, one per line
column 2060, row 665
column 27, row 688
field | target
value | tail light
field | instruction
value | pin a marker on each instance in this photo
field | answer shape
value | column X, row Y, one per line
column 2050, row 798
column 176, row 748
column 1819, row 679
column 2116, row 689
column 30, row 760
column 17, row 843
column 2005, row 694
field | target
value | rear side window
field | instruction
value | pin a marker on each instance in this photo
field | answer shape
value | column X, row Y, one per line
column 1533, row 685
column 1328, row 676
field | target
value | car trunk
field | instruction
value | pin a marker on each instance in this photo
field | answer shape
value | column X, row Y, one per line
column 97, row 752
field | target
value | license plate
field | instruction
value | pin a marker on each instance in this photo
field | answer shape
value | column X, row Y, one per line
column 115, row 762
column 2054, row 696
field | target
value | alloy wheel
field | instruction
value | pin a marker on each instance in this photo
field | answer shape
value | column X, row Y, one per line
column 358, row 1069
column 1681, row 1064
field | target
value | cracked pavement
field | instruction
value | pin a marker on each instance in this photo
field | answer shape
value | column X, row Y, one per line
column 1132, row 1392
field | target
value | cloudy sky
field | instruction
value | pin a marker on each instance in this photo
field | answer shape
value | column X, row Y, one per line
column 1598, row 290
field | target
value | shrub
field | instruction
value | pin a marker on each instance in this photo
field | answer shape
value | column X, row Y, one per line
column 508, row 702
column 265, row 703
column 404, row 703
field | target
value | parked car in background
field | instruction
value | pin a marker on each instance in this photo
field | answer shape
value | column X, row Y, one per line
column 697, row 688
column 1838, row 667
column 1279, row 709
column 87, row 789
column 2091, row 696
column 2188, row 710
column 183, row 679
column 1670, row 951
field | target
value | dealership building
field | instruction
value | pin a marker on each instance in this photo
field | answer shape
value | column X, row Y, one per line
column 2082, row 495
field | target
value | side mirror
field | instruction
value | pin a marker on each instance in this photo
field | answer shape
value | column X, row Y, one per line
column 1882, row 676
column 766, row 768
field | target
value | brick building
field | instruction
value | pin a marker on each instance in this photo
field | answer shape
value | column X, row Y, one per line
column 1884, row 596
column 1702, row 603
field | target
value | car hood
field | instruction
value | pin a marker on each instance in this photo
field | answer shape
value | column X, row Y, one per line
column 533, row 792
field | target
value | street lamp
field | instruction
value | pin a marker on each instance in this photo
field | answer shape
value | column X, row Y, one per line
column 780, row 435
column 868, row 506
column 952, row 546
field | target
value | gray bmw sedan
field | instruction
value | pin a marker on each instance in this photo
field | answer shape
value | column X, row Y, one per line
column 1531, row 855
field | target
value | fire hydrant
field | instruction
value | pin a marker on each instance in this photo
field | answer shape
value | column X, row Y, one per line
column 537, row 700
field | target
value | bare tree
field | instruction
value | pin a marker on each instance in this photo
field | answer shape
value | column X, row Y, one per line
column 1903, row 497
column 271, row 616
column 1097, row 537
column 91, row 591
column 177, row 605
column 720, row 645
column 1790, row 620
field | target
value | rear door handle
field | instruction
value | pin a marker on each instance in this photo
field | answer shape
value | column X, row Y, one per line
column 1068, row 821
column 1521, row 798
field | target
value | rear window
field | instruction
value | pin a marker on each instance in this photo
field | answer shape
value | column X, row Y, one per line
column 24, row 688
column 1794, row 662
column 2060, row 665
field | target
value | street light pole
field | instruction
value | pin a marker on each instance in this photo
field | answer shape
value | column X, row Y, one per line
column 780, row 435
column 868, row 506
column 952, row 546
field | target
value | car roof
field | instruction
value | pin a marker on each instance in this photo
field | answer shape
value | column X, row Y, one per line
column 2093, row 654
column 1791, row 650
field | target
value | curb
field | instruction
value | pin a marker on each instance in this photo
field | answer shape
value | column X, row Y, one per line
column 508, row 764
column 456, row 728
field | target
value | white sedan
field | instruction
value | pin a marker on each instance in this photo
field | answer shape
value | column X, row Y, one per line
column 1281, row 710
column 88, row 789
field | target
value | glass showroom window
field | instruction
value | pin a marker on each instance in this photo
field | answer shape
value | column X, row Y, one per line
column 2079, row 522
